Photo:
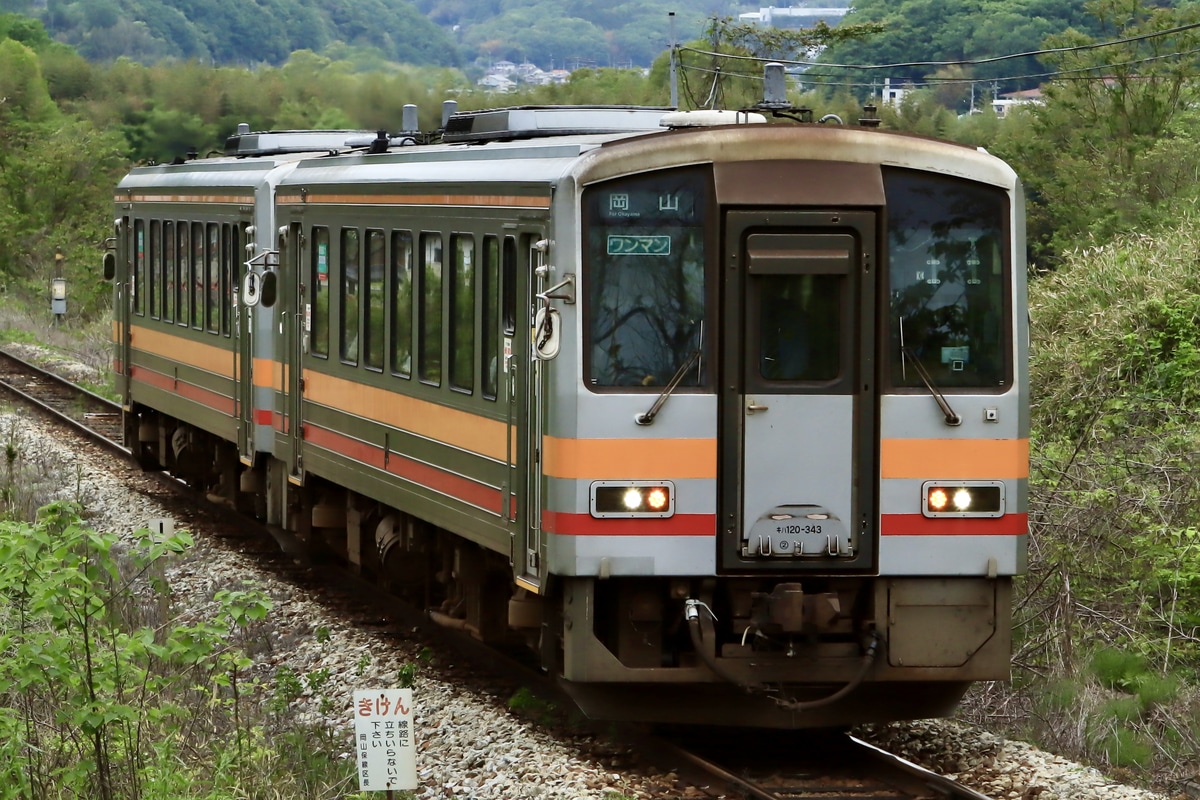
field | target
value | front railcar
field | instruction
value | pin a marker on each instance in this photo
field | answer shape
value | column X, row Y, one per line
column 784, row 452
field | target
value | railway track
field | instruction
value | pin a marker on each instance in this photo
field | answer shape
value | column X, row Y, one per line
column 713, row 762
column 87, row 412
column 805, row 765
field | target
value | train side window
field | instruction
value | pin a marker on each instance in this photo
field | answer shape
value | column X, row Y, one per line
column 350, row 266
column 169, row 244
column 139, row 265
column 462, row 318
column 373, row 300
column 489, row 364
column 212, row 279
column 198, row 267
column 183, row 278
column 429, row 321
column 228, row 249
column 402, row 303
column 509, row 286
column 318, row 336
column 154, row 274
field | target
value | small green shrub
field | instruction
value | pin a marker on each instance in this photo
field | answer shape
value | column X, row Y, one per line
column 1117, row 669
column 1122, row 709
column 1127, row 749
column 1157, row 690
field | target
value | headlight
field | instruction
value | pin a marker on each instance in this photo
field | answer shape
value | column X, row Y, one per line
column 962, row 499
column 632, row 499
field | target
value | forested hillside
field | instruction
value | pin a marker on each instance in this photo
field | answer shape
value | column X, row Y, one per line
column 548, row 33
column 437, row 32
column 919, row 33
column 230, row 32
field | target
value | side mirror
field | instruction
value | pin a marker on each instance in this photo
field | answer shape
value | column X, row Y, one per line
column 547, row 333
column 110, row 266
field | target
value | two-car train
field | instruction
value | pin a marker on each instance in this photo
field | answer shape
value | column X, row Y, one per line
column 727, row 420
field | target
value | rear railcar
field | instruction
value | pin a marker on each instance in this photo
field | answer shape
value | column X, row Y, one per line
column 185, row 344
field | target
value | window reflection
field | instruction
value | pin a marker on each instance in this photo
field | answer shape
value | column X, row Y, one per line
column 946, row 266
column 645, row 287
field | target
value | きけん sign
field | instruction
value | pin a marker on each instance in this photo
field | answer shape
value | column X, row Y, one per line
column 383, row 740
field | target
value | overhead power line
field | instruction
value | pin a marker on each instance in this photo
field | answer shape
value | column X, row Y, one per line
column 960, row 62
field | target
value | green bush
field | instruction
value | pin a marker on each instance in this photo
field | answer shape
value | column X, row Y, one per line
column 1117, row 669
column 1128, row 749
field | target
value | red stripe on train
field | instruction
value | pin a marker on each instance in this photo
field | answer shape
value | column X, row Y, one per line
column 188, row 391
column 920, row 525
column 587, row 525
column 455, row 486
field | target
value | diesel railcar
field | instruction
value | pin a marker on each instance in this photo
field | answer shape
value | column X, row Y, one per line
column 726, row 419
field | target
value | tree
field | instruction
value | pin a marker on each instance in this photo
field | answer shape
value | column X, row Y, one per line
column 1114, row 140
column 919, row 35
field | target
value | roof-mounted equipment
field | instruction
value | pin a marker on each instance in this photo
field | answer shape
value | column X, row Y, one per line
column 528, row 122
column 271, row 143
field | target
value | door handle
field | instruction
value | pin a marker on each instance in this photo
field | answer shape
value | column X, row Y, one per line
column 753, row 407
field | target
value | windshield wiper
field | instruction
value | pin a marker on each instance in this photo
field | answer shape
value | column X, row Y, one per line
column 952, row 418
column 648, row 417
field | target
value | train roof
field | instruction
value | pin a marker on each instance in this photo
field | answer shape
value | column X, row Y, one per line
column 538, row 146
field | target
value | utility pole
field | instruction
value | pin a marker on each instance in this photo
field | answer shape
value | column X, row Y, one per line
column 674, row 64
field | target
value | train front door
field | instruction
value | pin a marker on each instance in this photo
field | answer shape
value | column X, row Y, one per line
column 797, row 409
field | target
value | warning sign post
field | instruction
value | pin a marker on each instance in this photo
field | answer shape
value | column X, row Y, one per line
column 383, row 740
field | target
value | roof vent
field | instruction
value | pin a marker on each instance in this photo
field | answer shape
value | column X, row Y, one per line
column 527, row 122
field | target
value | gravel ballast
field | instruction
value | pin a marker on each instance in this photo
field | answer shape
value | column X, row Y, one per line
column 469, row 745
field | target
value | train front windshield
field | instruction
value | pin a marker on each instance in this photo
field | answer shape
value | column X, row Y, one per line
column 946, row 244
column 947, row 286
column 646, row 279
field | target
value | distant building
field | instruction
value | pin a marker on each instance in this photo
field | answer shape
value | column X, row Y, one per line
column 803, row 16
column 1009, row 99
column 893, row 95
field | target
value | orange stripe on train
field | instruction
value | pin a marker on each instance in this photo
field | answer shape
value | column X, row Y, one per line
column 462, row 429
column 211, row 358
column 629, row 459
column 964, row 459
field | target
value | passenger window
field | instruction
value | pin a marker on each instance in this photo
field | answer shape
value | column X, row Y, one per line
column 509, row 290
column 229, row 250
column 318, row 335
column 169, row 268
column 373, row 302
column 212, row 279
column 184, row 274
column 462, row 322
column 491, row 361
column 430, row 320
column 198, row 267
column 139, row 265
column 402, row 303
column 154, row 275
column 351, row 264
